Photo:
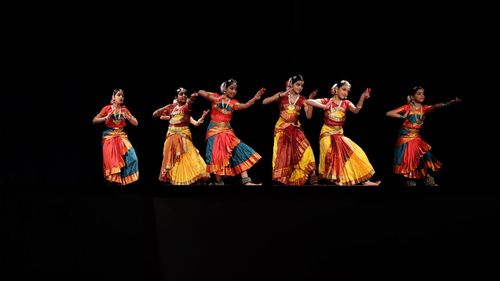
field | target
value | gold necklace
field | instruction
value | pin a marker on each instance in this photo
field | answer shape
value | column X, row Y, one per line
column 291, row 105
column 116, row 116
column 225, row 106
column 331, row 105
column 176, row 110
column 332, row 114
column 419, row 117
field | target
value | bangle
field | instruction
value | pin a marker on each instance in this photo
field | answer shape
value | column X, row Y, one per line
column 401, row 116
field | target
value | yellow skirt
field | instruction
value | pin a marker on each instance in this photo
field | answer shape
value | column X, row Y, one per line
column 182, row 163
column 341, row 160
column 293, row 158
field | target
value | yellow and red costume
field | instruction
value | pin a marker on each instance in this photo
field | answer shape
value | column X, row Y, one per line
column 293, row 158
column 341, row 160
column 182, row 163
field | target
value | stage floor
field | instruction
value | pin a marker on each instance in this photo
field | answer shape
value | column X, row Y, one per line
column 249, row 233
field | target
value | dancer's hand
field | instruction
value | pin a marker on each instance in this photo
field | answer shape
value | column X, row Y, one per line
column 313, row 94
column 366, row 93
column 260, row 93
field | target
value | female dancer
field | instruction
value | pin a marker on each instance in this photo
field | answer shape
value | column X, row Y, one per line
column 293, row 158
column 412, row 158
column 120, row 162
column 226, row 154
column 182, row 163
column 342, row 161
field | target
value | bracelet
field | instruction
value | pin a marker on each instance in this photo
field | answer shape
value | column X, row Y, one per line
column 401, row 116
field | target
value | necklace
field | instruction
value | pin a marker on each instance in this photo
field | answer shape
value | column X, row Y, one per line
column 419, row 117
column 176, row 115
column 176, row 110
column 331, row 105
column 225, row 106
column 336, row 114
column 115, row 115
column 291, row 105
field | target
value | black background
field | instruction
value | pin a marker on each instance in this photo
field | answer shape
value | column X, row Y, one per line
column 67, row 65
column 60, row 220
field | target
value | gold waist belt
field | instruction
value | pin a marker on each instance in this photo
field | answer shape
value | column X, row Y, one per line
column 220, row 124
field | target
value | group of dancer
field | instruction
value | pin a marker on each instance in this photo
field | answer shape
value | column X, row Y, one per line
column 342, row 161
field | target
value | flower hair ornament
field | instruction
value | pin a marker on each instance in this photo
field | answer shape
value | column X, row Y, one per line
column 181, row 90
column 345, row 82
column 226, row 83
column 222, row 87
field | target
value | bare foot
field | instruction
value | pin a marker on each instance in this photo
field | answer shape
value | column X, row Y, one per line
column 429, row 181
column 253, row 184
column 371, row 183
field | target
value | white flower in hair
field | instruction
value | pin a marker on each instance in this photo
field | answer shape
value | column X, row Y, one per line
column 345, row 82
column 222, row 87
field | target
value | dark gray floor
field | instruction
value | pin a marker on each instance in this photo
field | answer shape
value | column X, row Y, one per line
column 237, row 233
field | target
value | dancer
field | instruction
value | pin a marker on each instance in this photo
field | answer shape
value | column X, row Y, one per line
column 293, row 159
column 182, row 163
column 342, row 161
column 412, row 158
column 226, row 154
column 120, row 162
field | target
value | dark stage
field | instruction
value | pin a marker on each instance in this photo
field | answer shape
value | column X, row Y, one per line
column 236, row 233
